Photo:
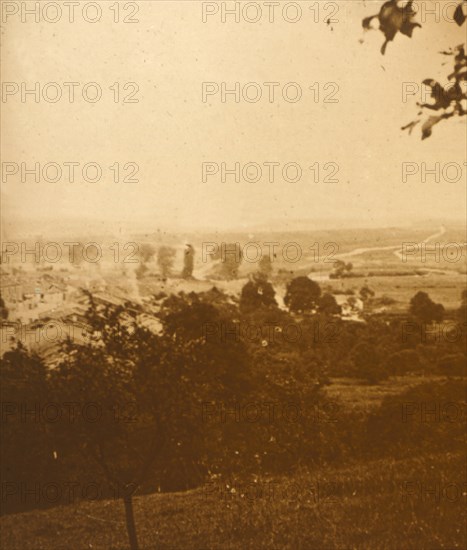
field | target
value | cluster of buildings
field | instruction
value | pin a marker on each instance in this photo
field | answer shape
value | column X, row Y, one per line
column 41, row 307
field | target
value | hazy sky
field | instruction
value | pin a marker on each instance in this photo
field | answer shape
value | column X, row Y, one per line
column 170, row 132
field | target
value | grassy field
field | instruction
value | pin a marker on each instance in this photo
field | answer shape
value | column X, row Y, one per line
column 380, row 505
column 444, row 289
column 364, row 397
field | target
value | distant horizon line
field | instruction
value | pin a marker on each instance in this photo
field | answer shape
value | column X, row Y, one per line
column 111, row 228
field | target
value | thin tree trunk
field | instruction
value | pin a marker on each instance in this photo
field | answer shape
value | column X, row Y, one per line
column 130, row 522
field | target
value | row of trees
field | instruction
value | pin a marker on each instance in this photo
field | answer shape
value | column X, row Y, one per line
column 166, row 260
column 303, row 295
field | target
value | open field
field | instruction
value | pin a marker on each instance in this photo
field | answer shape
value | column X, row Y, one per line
column 376, row 505
column 320, row 248
column 364, row 397
column 444, row 289
column 372, row 252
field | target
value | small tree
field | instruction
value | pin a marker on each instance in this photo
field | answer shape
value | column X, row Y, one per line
column 146, row 252
column 165, row 260
column 77, row 255
column 231, row 257
column 328, row 305
column 188, row 262
column 366, row 293
column 405, row 361
column 462, row 311
column 3, row 310
column 112, row 370
column 162, row 380
column 369, row 363
column 424, row 309
column 302, row 295
column 265, row 266
column 257, row 293
column 341, row 269
column 141, row 270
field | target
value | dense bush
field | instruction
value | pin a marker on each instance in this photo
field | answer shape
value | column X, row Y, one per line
column 431, row 417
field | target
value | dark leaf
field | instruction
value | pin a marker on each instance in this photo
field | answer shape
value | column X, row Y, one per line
column 459, row 15
column 429, row 123
column 393, row 19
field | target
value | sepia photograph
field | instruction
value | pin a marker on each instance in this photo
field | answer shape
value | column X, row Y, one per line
column 233, row 275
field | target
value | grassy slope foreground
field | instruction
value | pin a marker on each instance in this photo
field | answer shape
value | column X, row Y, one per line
column 378, row 505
